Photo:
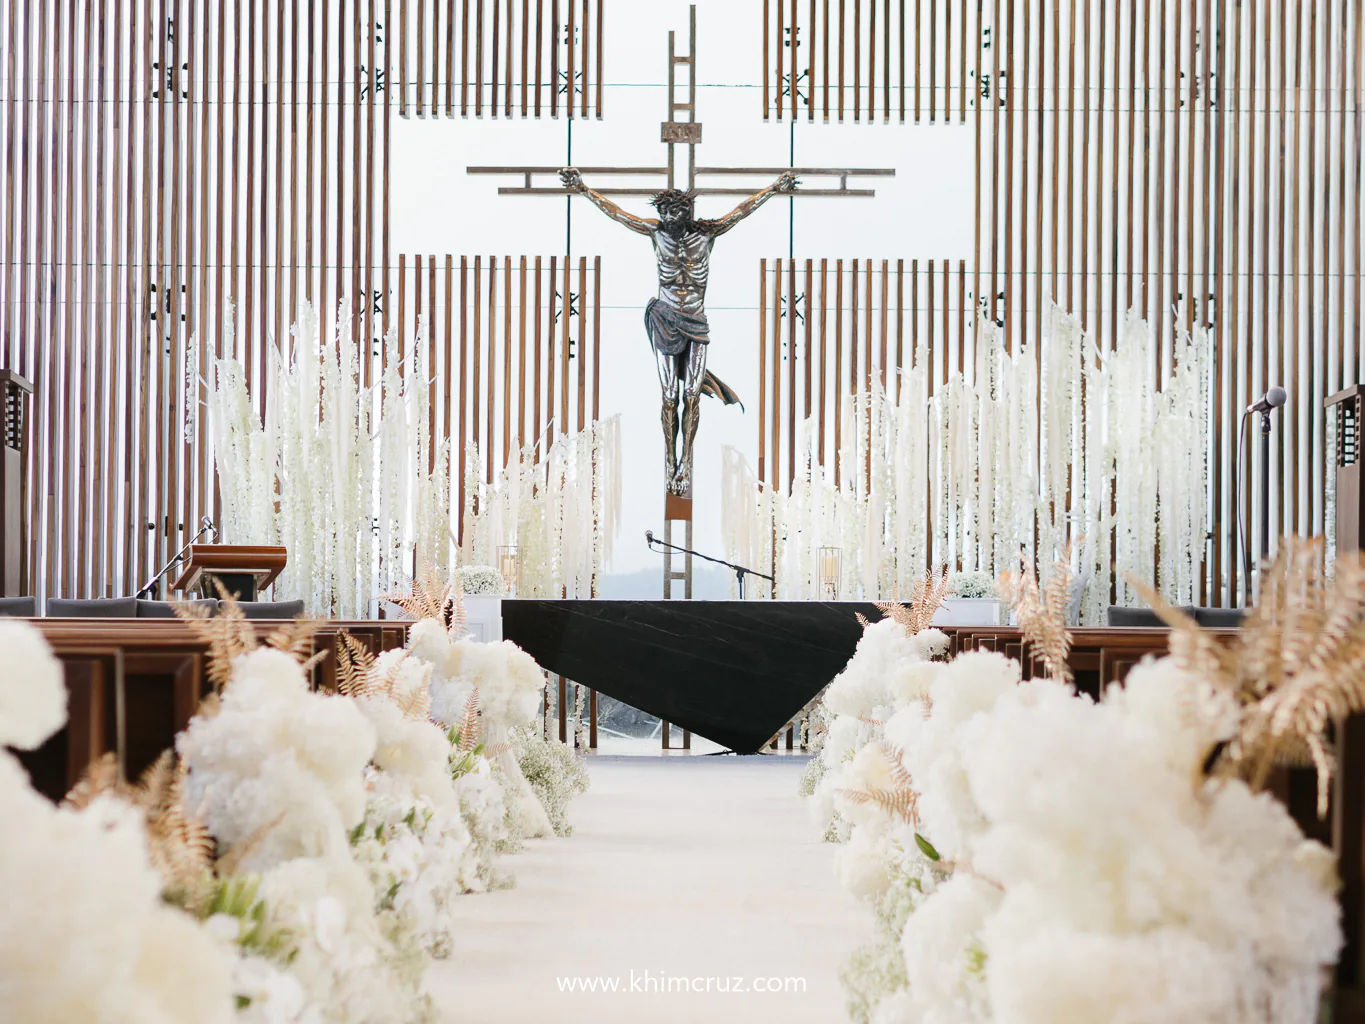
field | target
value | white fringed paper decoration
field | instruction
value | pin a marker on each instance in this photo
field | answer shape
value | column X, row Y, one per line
column 560, row 510
column 335, row 472
column 996, row 474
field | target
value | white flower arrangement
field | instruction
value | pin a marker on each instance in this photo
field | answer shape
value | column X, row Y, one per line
column 278, row 765
column 1055, row 861
column 337, row 832
column 32, row 694
column 971, row 585
column 555, row 772
column 85, row 934
column 481, row 581
column 991, row 469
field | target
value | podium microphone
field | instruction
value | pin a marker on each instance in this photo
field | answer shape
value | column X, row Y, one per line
column 1272, row 399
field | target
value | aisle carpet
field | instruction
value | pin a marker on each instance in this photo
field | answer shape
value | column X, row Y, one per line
column 681, row 870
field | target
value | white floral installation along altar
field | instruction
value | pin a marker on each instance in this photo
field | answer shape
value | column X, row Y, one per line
column 336, row 472
column 296, row 859
column 1031, row 855
column 991, row 454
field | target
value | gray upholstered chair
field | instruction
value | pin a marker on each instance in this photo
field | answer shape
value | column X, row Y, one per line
column 96, row 608
column 272, row 609
column 1130, row 618
column 1220, row 618
column 19, row 607
column 166, row 609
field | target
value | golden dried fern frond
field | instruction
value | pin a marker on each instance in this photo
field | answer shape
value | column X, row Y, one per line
column 1298, row 664
column 101, row 776
column 355, row 667
column 926, row 598
column 228, row 634
column 898, row 800
column 1041, row 612
column 1295, row 667
column 895, row 757
column 231, row 862
column 181, row 847
column 458, row 617
column 895, row 803
column 155, row 789
column 470, row 730
column 427, row 595
column 415, row 703
column 296, row 638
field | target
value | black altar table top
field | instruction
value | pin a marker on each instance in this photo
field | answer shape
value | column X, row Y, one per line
column 732, row 671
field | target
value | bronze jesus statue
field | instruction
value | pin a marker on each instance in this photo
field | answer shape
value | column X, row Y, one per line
column 675, row 321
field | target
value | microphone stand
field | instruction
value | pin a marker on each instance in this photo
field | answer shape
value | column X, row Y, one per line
column 1265, row 485
column 740, row 571
column 205, row 525
column 1244, row 534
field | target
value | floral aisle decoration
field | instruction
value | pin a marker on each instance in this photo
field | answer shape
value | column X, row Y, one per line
column 555, row 772
column 481, row 581
column 559, row 506
column 496, row 693
column 987, row 467
column 85, row 934
column 347, row 477
column 1040, row 856
column 279, row 775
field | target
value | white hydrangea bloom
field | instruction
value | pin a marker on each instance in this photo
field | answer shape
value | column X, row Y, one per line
column 84, row 935
column 32, row 690
column 278, row 764
column 344, row 963
column 943, row 949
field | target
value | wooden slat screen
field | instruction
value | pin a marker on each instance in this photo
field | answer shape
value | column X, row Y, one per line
column 1195, row 160
column 515, row 344
column 870, row 61
column 829, row 328
column 500, row 58
column 166, row 161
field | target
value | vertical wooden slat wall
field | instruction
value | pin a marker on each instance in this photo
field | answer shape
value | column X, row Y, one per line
column 883, row 53
column 1196, row 162
column 525, row 345
column 509, row 58
column 875, row 316
column 167, row 161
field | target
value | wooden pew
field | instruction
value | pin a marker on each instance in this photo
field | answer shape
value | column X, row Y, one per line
column 134, row 683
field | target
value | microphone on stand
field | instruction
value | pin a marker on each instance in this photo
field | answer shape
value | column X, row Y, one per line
column 1272, row 399
column 649, row 537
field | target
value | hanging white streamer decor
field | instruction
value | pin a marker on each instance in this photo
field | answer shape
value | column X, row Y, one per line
column 1024, row 453
column 559, row 508
column 348, row 478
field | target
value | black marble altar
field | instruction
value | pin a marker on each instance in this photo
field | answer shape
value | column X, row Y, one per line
column 732, row 671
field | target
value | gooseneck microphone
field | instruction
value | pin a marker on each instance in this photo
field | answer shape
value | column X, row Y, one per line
column 1272, row 399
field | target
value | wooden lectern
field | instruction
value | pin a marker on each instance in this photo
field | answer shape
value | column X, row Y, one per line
column 243, row 569
column 1346, row 407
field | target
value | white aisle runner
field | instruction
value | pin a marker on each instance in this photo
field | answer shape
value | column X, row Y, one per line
column 682, row 872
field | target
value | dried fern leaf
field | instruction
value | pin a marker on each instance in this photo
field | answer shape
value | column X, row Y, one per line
column 231, row 862
column 100, row 776
column 1041, row 614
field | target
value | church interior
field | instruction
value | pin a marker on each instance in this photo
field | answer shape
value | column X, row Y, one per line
column 785, row 510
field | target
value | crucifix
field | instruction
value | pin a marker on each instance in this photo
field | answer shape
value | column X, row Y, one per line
column 675, row 320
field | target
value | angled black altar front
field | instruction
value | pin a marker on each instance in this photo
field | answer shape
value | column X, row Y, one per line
column 732, row 671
